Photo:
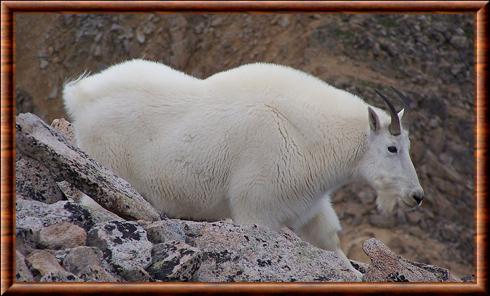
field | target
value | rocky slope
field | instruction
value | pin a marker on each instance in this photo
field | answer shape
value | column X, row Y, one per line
column 71, row 236
column 427, row 57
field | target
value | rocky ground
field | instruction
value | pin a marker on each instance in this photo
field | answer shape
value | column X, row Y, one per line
column 427, row 57
column 64, row 235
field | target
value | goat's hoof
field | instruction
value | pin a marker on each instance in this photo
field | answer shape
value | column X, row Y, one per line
column 358, row 274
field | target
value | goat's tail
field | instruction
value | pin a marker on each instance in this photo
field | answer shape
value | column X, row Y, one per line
column 74, row 95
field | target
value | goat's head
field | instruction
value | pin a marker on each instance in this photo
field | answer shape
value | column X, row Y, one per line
column 387, row 166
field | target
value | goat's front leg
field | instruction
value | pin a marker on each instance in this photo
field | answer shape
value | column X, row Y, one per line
column 322, row 231
column 247, row 207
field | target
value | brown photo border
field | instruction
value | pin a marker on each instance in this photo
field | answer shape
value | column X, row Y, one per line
column 9, row 8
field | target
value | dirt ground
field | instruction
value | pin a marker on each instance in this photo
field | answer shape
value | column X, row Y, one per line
column 427, row 57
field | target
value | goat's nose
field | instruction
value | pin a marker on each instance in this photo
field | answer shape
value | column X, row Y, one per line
column 418, row 195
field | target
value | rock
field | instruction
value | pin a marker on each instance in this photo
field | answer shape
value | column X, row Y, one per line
column 140, row 36
column 86, row 263
column 43, row 63
column 25, row 240
column 53, row 94
column 164, row 231
column 389, row 47
column 468, row 278
column 60, row 255
column 23, row 101
column 382, row 220
column 66, row 128
column 34, row 215
column 199, row 28
column 98, row 213
column 136, row 275
column 33, row 181
column 441, row 273
column 459, row 31
column 149, row 27
column 216, row 22
column 98, row 51
column 418, row 149
column 67, row 162
column 232, row 253
column 45, row 266
column 414, row 217
column 438, row 140
column 386, row 266
column 80, row 257
column 97, row 273
column 459, row 41
column 360, row 266
column 367, row 197
column 174, row 261
column 284, row 21
column 22, row 272
column 457, row 68
column 435, row 107
column 62, row 236
column 442, row 170
column 60, row 276
column 70, row 192
column 124, row 244
column 98, row 37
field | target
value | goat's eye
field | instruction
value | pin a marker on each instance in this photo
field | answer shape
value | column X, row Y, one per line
column 392, row 149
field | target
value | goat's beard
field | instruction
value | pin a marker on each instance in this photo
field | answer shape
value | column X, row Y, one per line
column 387, row 201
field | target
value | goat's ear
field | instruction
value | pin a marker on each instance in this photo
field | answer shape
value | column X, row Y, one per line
column 400, row 114
column 404, row 121
column 374, row 123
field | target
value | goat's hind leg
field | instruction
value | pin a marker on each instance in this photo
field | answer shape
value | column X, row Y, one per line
column 322, row 231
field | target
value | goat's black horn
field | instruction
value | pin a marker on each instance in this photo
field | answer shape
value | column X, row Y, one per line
column 394, row 127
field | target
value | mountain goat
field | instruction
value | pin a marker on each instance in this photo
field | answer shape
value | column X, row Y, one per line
column 261, row 144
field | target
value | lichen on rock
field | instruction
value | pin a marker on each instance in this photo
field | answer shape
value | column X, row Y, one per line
column 124, row 245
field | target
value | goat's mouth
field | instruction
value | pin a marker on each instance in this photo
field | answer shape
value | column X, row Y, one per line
column 388, row 202
column 408, row 203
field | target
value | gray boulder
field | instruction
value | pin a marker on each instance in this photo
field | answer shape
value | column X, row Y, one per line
column 232, row 253
column 98, row 213
column 164, row 231
column 62, row 236
column 66, row 129
column 174, row 261
column 386, row 266
column 33, row 215
column 66, row 162
column 124, row 244
column 87, row 264
column 136, row 275
column 22, row 272
column 46, row 268
column 34, row 181
column 23, row 101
